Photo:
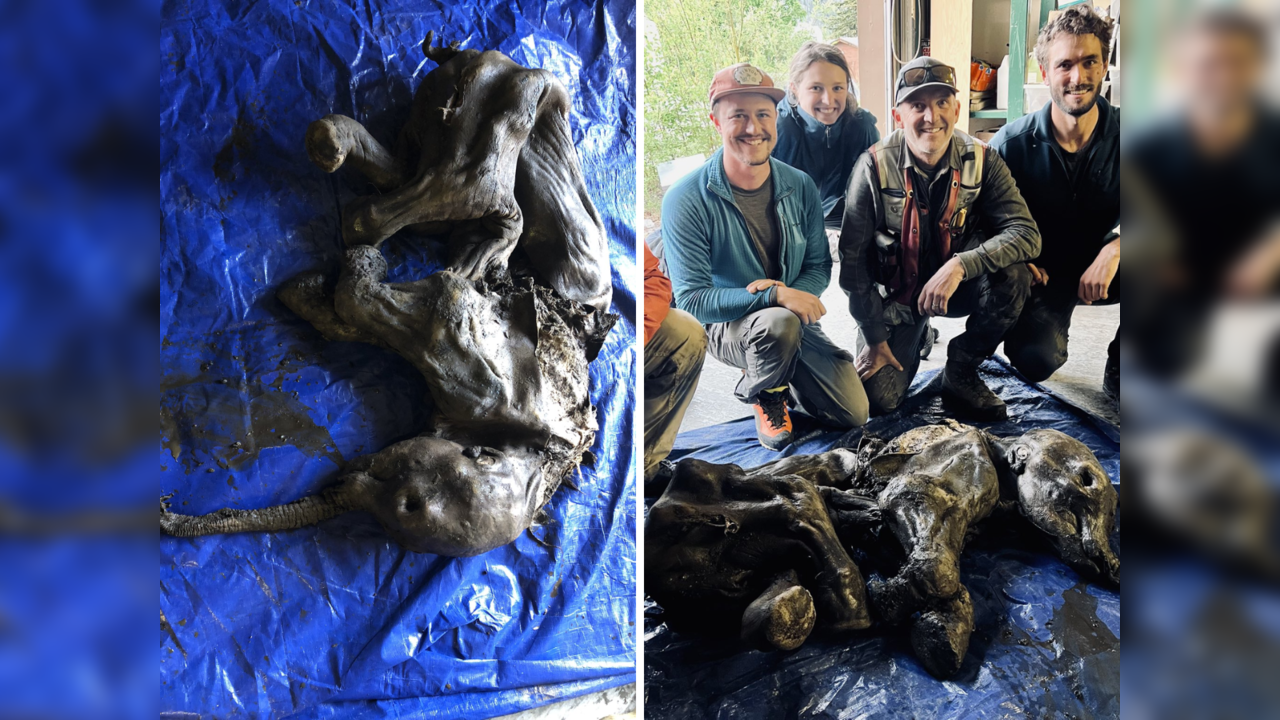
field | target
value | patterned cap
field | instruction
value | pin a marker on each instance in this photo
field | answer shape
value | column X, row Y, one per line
column 743, row 78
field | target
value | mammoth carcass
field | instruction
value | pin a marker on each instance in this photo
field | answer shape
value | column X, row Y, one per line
column 764, row 553
column 503, row 335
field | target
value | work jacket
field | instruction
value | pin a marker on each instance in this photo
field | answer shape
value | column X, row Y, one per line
column 709, row 251
column 1075, row 220
column 826, row 152
column 999, row 232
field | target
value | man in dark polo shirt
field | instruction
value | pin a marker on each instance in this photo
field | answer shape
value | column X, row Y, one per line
column 1066, row 161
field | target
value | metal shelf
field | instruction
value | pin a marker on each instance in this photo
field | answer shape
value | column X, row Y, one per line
column 989, row 114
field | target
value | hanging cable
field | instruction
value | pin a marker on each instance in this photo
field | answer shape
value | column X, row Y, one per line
column 893, row 50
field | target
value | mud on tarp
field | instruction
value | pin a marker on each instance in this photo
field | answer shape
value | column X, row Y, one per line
column 1045, row 643
column 258, row 409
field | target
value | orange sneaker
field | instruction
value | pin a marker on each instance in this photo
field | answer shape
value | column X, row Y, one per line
column 773, row 423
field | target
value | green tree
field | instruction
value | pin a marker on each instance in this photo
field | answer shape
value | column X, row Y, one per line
column 686, row 42
column 838, row 18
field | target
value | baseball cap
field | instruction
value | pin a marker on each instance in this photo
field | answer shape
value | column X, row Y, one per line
column 743, row 78
column 923, row 72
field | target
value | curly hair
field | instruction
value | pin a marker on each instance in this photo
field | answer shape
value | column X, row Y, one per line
column 812, row 52
column 1076, row 20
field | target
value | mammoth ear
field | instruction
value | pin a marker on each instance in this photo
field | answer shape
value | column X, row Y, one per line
column 1016, row 456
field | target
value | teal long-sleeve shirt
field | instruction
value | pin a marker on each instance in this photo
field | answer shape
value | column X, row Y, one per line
column 708, row 247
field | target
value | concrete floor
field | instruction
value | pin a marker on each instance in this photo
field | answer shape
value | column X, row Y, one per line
column 1079, row 381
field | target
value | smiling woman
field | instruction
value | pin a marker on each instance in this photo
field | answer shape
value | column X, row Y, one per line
column 821, row 129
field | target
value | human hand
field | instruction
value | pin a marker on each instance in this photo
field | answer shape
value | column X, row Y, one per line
column 1096, row 281
column 874, row 357
column 805, row 305
column 1038, row 275
column 760, row 285
column 938, row 291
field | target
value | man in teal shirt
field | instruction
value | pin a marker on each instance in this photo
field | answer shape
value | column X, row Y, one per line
column 747, row 255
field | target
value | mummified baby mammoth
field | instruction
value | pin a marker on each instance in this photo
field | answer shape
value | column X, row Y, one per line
column 487, row 158
column 762, row 552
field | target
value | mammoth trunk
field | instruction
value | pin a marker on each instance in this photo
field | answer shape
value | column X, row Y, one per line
column 300, row 513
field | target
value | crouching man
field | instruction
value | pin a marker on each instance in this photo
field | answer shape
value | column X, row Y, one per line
column 748, row 256
column 1066, row 159
column 933, row 226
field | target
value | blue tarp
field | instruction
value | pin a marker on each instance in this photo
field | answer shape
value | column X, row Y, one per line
column 1045, row 643
column 336, row 620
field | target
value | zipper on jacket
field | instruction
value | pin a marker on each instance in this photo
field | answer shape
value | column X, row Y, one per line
column 782, row 256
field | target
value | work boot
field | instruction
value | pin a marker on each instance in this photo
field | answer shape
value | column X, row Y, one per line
column 1111, row 377
column 928, row 339
column 965, row 391
column 773, row 422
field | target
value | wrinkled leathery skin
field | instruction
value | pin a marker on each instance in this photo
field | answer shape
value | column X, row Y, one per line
column 488, row 158
column 929, row 503
column 937, row 481
column 909, row 504
column 720, row 538
column 505, row 359
column 1063, row 490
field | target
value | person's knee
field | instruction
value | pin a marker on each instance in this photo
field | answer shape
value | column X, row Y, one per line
column 885, row 391
column 777, row 330
column 1036, row 362
column 688, row 337
column 851, row 398
column 857, row 411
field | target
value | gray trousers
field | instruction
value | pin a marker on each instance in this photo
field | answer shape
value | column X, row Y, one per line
column 773, row 348
column 672, row 365
column 992, row 301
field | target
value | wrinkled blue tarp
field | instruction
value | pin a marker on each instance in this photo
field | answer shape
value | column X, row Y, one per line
column 1045, row 643
column 336, row 620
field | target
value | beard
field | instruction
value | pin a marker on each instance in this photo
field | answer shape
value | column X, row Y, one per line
column 1059, row 98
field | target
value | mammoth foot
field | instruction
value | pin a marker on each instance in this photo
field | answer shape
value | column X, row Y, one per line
column 337, row 140
column 781, row 618
column 940, row 637
column 325, row 145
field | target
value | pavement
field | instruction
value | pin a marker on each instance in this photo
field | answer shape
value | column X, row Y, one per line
column 1079, row 380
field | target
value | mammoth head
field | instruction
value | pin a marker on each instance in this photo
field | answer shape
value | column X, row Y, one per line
column 438, row 496
column 1063, row 490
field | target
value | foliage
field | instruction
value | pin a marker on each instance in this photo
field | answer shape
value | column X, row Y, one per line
column 686, row 42
column 838, row 18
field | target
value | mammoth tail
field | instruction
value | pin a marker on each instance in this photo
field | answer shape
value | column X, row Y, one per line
column 300, row 513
